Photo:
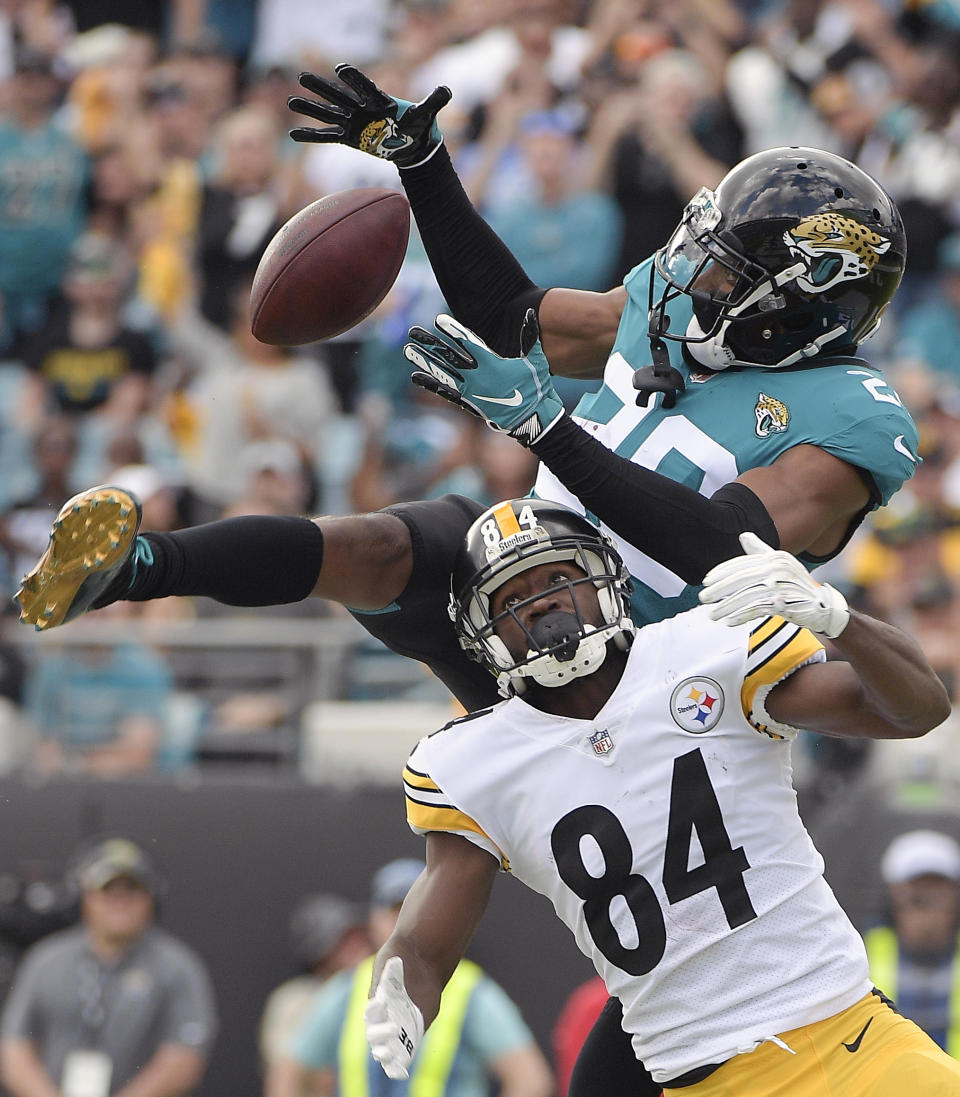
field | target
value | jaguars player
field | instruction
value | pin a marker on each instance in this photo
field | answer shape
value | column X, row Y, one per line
column 640, row 780
column 738, row 339
column 677, row 478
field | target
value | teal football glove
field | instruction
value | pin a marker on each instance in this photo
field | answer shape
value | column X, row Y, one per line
column 362, row 116
column 512, row 395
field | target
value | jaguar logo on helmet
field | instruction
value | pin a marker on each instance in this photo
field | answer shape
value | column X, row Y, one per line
column 794, row 257
column 835, row 249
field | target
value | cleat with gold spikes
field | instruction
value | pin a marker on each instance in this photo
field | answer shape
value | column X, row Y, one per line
column 92, row 538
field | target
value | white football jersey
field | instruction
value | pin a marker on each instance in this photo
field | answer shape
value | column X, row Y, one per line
column 666, row 834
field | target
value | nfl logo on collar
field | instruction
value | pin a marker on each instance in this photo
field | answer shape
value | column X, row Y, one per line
column 601, row 741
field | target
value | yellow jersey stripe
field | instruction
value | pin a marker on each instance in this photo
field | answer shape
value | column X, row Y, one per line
column 415, row 779
column 790, row 652
column 764, row 631
column 442, row 817
column 781, row 648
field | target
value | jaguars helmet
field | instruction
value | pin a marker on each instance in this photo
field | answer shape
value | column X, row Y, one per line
column 796, row 252
column 510, row 538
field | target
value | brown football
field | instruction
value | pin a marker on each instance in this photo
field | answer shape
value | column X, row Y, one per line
column 329, row 266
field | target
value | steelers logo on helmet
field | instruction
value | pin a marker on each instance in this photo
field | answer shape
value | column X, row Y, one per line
column 696, row 704
column 513, row 537
column 797, row 253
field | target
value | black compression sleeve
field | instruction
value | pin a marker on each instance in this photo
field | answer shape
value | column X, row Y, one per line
column 255, row 560
column 483, row 284
column 675, row 525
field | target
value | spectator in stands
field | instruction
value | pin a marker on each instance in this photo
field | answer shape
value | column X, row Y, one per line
column 409, row 451
column 479, row 1033
column 573, row 1025
column 278, row 480
column 25, row 524
column 242, row 207
column 98, row 708
column 654, row 141
column 562, row 233
column 913, row 957
column 327, row 934
column 114, row 1004
column 930, row 330
column 43, row 178
column 87, row 358
column 244, row 391
column 106, row 97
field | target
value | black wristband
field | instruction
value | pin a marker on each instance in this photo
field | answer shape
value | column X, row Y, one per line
column 254, row 560
column 673, row 524
column 483, row 284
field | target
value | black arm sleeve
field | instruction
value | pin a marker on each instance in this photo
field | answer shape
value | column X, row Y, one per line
column 675, row 525
column 253, row 560
column 483, row 284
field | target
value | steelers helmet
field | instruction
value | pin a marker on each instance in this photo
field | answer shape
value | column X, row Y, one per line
column 510, row 538
column 797, row 251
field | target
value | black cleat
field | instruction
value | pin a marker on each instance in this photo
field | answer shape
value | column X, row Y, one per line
column 92, row 538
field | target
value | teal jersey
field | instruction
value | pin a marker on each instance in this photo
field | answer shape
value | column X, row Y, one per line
column 725, row 423
column 43, row 179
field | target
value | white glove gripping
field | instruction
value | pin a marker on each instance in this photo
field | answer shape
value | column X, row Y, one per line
column 394, row 1023
column 768, row 582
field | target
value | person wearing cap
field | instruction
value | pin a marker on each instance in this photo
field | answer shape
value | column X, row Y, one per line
column 913, row 958
column 478, row 1037
column 113, row 1005
column 92, row 356
column 327, row 935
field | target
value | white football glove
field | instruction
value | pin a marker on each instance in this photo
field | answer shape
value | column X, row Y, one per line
column 769, row 582
column 394, row 1023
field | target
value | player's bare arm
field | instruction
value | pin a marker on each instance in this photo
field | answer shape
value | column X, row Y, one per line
column 438, row 918
column 884, row 688
column 578, row 329
column 367, row 559
column 881, row 687
column 811, row 496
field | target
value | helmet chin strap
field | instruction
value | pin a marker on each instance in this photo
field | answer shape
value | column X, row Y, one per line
column 714, row 353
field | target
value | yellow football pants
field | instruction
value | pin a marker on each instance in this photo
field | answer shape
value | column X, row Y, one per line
column 867, row 1050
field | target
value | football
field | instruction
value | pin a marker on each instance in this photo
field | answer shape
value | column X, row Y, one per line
column 329, row 266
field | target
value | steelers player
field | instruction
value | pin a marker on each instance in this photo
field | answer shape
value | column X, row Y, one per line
column 757, row 416
column 640, row 780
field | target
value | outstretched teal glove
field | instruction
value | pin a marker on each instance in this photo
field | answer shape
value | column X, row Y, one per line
column 362, row 116
column 512, row 395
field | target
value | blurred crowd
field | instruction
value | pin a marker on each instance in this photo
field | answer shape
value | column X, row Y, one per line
column 145, row 163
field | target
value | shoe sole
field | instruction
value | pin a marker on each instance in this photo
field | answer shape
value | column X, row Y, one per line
column 92, row 534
